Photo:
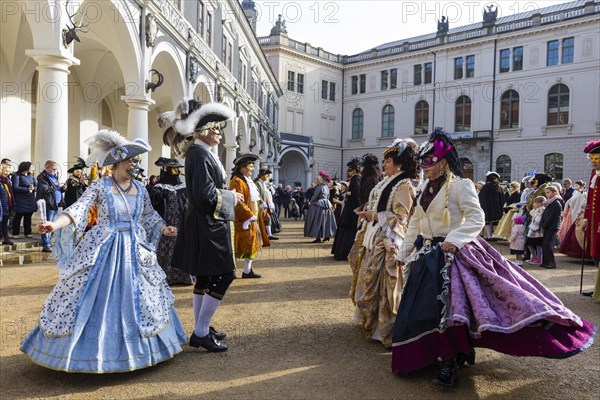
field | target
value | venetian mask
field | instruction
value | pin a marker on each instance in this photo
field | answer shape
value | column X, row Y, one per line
column 135, row 164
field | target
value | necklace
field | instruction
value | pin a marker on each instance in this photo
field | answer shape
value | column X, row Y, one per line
column 119, row 186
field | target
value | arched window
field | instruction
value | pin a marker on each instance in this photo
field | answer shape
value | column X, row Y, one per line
column 463, row 114
column 558, row 105
column 509, row 110
column 503, row 167
column 553, row 165
column 422, row 118
column 357, row 123
column 387, row 121
column 466, row 166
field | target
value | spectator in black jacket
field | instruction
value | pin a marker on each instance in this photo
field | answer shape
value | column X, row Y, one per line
column 568, row 190
column 550, row 222
column 24, row 184
column 278, row 199
column 491, row 200
column 50, row 190
column 299, row 197
column 286, row 200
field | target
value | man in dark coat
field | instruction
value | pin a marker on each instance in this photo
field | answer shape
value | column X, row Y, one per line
column 346, row 233
column 568, row 190
column 203, row 246
column 278, row 199
column 491, row 200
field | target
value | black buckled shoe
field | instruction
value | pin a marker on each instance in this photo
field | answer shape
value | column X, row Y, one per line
column 587, row 293
column 463, row 358
column 208, row 342
column 273, row 238
column 217, row 335
column 250, row 275
column 448, row 373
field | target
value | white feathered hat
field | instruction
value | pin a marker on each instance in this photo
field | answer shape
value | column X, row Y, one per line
column 110, row 147
column 190, row 116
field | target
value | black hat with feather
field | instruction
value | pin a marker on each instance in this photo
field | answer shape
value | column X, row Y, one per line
column 78, row 166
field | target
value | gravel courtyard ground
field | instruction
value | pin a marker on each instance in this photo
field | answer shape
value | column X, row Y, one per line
column 290, row 336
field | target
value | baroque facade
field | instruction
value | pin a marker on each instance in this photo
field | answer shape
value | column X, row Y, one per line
column 69, row 69
column 518, row 93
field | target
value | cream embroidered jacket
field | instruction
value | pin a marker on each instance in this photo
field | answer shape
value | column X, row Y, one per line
column 466, row 217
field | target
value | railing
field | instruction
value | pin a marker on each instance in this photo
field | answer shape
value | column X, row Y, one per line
column 474, row 34
column 456, row 38
column 523, row 24
column 504, row 28
column 264, row 40
column 422, row 45
column 359, row 57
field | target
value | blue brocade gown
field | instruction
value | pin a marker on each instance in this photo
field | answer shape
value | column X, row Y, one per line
column 111, row 310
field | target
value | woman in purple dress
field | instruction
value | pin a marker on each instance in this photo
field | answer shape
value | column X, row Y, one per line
column 460, row 292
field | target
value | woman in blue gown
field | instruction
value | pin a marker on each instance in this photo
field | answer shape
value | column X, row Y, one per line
column 112, row 309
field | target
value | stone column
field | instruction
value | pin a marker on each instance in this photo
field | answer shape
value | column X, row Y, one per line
column 276, row 175
column 137, row 121
column 309, row 178
column 230, row 151
column 52, row 110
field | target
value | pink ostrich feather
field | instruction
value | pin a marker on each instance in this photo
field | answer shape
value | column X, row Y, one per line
column 439, row 150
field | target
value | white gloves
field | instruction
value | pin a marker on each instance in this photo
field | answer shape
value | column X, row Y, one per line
column 246, row 224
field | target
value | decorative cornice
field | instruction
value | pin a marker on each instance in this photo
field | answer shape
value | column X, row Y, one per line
column 296, row 54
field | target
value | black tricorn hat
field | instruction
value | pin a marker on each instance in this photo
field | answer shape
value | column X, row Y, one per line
column 244, row 159
column 168, row 162
column 264, row 171
column 79, row 165
column 542, row 178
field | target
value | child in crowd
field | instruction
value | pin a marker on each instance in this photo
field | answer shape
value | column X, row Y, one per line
column 294, row 210
column 517, row 239
column 535, row 234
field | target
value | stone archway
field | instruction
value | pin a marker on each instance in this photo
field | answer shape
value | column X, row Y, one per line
column 202, row 91
column 168, row 62
column 294, row 167
column 17, row 74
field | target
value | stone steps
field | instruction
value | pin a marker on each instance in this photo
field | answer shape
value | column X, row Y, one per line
column 24, row 251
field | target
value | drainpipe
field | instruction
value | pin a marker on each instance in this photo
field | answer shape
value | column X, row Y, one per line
column 493, row 106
